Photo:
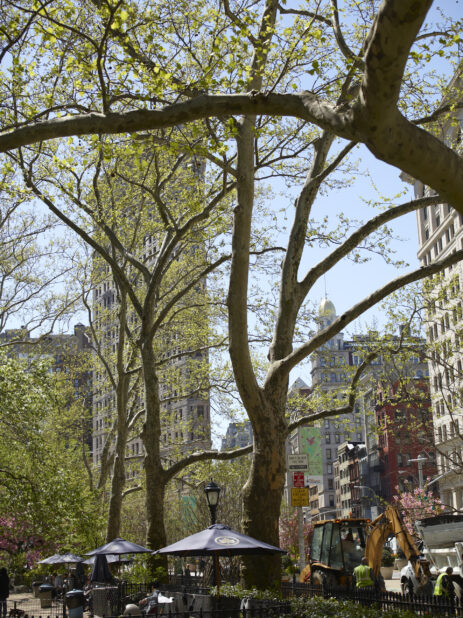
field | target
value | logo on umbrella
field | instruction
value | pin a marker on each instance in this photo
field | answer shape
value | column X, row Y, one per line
column 226, row 540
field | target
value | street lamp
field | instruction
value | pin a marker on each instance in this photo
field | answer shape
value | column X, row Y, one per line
column 365, row 487
column 420, row 461
column 212, row 491
column 375, row 498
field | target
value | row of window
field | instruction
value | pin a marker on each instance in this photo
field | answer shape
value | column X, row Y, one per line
column 446, row 323
column 453, row 430
column 448, row 376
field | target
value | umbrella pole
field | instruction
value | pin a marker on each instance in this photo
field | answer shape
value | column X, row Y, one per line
column 217, row 575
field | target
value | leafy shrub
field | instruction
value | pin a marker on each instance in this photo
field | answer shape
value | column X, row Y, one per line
column 318, row 607
column 387, row 558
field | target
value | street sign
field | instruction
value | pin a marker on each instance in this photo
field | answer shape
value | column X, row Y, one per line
column 312, row 479
column 299, row 496
column 298, row 479
column 298, row 462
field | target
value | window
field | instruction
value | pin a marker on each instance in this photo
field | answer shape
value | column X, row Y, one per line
column 327, row 438
column 317, row 542
column 328, row 453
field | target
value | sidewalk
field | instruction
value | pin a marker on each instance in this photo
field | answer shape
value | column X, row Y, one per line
column 26, row 604
column 393, row 585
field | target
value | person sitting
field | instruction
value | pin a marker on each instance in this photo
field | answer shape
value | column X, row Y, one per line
column 149, row 604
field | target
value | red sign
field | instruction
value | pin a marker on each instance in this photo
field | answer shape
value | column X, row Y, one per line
column 298, row 479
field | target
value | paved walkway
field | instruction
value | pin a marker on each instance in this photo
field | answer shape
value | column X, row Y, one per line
column 393, row 585
column 27, row 604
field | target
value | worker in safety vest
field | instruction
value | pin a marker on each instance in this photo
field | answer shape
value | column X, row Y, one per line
column 444, row 585
column 364, row 576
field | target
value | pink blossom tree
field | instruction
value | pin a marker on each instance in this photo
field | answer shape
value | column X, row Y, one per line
column 289, row 534
column 16, row 537
column 416, row 504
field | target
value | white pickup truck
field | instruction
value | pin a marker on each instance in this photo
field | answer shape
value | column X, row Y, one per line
column 442, row 538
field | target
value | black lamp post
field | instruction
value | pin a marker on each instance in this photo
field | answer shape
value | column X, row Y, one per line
column 212, row 491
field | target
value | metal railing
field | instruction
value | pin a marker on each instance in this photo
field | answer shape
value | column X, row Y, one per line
column 421, row 605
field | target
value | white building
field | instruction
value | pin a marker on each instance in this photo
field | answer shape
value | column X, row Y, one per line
column 440, row 233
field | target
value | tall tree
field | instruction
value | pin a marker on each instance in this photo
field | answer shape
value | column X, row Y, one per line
column 152, row 221
column 238, row 69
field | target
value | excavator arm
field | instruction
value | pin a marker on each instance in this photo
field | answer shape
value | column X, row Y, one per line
column 378, row 531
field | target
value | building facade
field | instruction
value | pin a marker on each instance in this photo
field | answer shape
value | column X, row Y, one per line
column 185, row 411
column 332, row 369
column 237, row 435
column 440, row 233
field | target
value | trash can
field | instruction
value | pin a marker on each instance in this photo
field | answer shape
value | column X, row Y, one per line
column 105, row 601
column 35, row 588
column 45, row 595
column 75, row 601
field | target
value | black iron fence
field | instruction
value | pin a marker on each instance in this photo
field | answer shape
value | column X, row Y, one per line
column 196, row 602
column 420, row 605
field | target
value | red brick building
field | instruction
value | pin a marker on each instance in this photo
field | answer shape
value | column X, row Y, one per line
column 405, row 432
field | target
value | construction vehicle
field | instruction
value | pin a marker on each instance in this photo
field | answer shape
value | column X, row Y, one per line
column 442, row 538
column 338, row 546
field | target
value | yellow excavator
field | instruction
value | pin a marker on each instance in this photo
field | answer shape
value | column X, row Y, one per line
column 338, row 545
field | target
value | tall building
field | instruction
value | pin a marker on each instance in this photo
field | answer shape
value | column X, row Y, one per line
column 237, row 435
column 332, row 368
column 185, row 411
column 185, row 418
column 440, row 233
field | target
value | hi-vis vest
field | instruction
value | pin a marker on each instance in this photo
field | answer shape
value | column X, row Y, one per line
column 439, row 590
column 362, row 576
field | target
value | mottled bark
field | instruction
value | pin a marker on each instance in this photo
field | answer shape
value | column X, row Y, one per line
column 151, row 435
column 118, row 472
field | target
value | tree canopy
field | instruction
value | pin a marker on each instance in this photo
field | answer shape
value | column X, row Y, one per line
column 257, row 90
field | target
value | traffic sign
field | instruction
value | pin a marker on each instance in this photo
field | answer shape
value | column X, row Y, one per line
column 299, row 496
column 298, row 462
column 298, row 479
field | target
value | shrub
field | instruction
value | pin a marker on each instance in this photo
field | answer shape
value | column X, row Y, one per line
column 387, row 558
column 318, row 607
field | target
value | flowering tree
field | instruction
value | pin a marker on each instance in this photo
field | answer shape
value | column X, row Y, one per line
column 418, row 503
column 289, row 534
column 17, row 538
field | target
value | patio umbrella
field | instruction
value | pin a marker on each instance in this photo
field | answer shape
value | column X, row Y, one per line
column 219, row 540
column 50, row 559
column 120, row 546
column 61, row 559
column 100, row 572
column 68, row 559
column 109, row 557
